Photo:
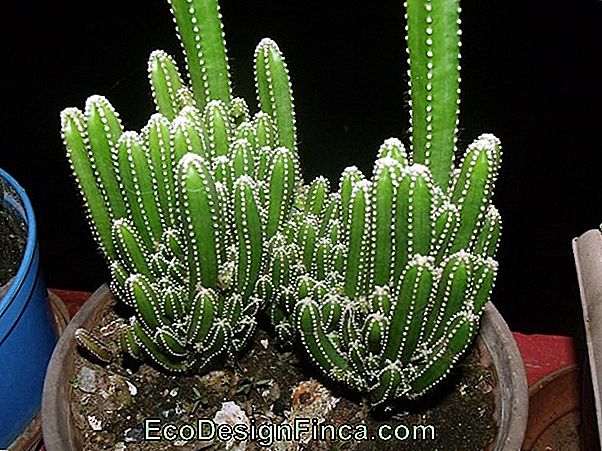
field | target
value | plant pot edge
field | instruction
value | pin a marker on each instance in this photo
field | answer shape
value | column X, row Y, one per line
column 512, row 377
column 27, row 327
column 31, row 438
column 55, row 392
column 587, row 252
column 59, row 434
column 551, row 399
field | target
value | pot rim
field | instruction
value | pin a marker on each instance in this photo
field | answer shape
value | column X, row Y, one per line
column 587, row 249
column 494, row 332
column 30, row 247
column 503, row 349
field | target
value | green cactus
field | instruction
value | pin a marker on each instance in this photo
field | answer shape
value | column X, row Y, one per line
column 433, row 38
column 183, row 210
column 390, row 301
column 385, row 280
column 203, row 219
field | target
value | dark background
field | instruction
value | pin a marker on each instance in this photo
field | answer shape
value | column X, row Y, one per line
column 530, row 75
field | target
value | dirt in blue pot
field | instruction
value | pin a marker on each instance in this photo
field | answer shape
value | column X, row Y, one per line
column 13, row 236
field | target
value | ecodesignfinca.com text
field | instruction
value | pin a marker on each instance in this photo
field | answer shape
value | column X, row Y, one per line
column 266, row 434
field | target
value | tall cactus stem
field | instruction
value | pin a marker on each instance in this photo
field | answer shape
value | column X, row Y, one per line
column 433, row 36
column 201, row 32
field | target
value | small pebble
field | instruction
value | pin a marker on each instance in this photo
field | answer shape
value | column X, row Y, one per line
column 86, row 380
column 484, row 387
column 133, row 435
column 170, row 414
column 95, row 423
column 132, row 388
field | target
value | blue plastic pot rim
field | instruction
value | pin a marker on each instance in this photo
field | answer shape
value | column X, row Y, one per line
column 30, row 247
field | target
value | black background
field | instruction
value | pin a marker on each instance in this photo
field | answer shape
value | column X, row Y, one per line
column 530, row 75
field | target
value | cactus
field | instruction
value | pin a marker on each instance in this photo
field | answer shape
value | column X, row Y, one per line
column 204, row 221
column 384, row 280
column 433, row 38
column 183, row 210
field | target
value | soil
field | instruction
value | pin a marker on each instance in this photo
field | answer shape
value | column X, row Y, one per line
column 13, row 237
column 268, row 386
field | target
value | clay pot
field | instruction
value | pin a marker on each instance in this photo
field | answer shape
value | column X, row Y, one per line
column 496, row 343
column 554, row 411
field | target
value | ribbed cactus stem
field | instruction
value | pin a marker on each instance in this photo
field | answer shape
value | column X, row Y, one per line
column 201, row 32
column 407, row 310
column 488, row 238
column 104, row 130
column 218, row 128
column 203, row 316
column 455, row 283
column 131, row 249
column 165, row 82
column 281, row 183
column 247, row 219
column 239, row 111
column 483, row 281
column 135, row 174
column 474, row 187
column 433, row 36
column 458, row 337
column 324, row 351
column 93, row 346
column 274, row 91
column 242, row 159
column 394, row 148
column 358, row 233
column 76, row 142
column 152, row 348
column 185, row 138
column 199, row 201
column 265, row 130
column 143, row 295
column 156, row 135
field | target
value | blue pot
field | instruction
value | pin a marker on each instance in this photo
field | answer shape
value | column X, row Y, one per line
column 27, row 331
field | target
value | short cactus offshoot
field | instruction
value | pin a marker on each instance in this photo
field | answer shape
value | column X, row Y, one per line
column 183, row 209
column 385, row 280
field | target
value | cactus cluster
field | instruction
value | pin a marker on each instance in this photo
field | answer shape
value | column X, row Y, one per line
column 384, row 280
column 205, row 221
column 183, row 209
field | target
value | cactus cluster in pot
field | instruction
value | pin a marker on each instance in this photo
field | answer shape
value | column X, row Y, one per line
column 205, row 221
column 183, row 210
column 385, row 279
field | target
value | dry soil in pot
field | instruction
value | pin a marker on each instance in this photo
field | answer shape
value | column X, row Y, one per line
column 110, row 403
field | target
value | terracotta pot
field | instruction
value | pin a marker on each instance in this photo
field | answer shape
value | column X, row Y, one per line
column 495, row 340
column 554, row 411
